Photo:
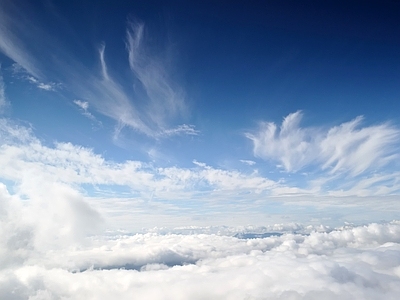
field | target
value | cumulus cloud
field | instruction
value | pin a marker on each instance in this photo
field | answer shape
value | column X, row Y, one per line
column 347, row 148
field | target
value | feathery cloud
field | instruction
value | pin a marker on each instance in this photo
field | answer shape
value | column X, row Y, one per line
column 165, row 99
column 347, row 148
column 150, row 113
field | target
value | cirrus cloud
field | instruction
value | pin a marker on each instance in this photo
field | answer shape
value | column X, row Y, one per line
column 347, row 148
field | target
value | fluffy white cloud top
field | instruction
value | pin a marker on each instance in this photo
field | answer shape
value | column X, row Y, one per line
column 361, row 262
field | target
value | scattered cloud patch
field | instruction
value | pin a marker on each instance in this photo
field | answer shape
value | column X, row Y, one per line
column 84, row 106
column 21, row 73
column 248, row 162
column 201, row 164
column 46, row 86
column 183, row 129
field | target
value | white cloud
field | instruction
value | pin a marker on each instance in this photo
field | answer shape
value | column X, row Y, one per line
column 165, row 99
column 291, row 145
column 12, row 31
column 150, row 113
column 135, row 194
column 21, row 73
column 3, row 101
column 21, row 153
column 181, row 129
column 347, row 148
column 52, row 245
column 248, row 162
column 84, row 106
column 46, row 86
column 348, row 263
column 200, row 164
column 350, row 148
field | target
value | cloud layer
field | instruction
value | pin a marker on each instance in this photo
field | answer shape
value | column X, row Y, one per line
column 361, row 262
column 36, row 173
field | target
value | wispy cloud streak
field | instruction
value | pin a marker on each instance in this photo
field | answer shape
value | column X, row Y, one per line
column 84, row 106
column 13, row 37
column 165, row 101
column 152, row 113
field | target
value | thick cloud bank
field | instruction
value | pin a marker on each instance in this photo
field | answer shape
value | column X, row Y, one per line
column 360, row 262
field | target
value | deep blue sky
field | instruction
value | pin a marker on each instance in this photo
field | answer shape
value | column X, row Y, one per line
column 206, row 85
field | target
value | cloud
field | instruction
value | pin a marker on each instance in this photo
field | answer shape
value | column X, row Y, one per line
column 3, row 101
column 74, row 164
column 149, row 104
column 53, row 244
column 345, row 149
column 14, row 37
column 291, row 145
column 84, row 105
column 165, row 99
column 181, row 129
column 360, row 262
column 173, row 194
column 122, row 190
column 248, row 162
column 40, row 85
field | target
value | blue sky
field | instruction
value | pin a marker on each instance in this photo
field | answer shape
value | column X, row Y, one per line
column 167, row 113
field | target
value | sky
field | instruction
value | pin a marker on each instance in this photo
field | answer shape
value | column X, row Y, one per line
column 175, row 113
column 211, row 149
